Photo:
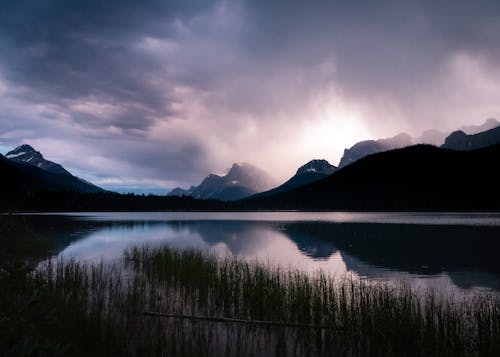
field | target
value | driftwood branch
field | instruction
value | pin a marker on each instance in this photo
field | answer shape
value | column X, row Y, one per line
column 240, row 321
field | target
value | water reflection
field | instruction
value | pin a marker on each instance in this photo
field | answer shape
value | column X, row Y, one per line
column 437, row 251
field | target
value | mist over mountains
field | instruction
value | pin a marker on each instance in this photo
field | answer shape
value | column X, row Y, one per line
column 217, row 187
column 390, row 173
column 241, row 181
column 432, row 137
column 420, row 177
column 459, row 140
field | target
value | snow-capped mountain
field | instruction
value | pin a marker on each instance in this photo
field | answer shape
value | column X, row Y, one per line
column 241, row 181
column 26, row 154
column 313, row 171
column 321, row 167
column 30, row 167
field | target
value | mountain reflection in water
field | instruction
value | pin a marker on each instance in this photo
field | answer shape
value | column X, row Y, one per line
column 432, row 253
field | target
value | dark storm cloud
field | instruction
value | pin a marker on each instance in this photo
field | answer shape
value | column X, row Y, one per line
column 174, row 89
column 81, row 60
column 66, row 50
column 393, row 47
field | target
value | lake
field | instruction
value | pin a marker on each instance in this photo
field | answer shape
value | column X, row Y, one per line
column 454, row 252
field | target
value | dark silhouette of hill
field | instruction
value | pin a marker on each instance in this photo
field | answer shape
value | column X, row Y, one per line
column 420, row 177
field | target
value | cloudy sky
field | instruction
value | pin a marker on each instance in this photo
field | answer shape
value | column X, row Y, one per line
column 157, row 93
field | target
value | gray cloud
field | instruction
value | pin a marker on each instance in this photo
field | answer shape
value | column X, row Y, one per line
column 167, row 91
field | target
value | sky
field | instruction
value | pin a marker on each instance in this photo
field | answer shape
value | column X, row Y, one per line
column 149, row 95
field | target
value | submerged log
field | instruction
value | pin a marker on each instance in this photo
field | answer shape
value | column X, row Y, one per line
column 240, row 321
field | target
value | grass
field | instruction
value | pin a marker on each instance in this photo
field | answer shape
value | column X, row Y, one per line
column 102, row 305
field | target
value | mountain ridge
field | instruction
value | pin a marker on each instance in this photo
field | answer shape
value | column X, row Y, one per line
column 33, row 172
column 368, row 147
column 459, row 140
column 432, row 137
column 26, row 154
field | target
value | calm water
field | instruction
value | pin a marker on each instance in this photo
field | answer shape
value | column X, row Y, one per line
column 455, row 252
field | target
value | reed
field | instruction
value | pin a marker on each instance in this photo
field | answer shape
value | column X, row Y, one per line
column 364, row 318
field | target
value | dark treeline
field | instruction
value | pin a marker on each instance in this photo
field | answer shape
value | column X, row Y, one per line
column 102, row 201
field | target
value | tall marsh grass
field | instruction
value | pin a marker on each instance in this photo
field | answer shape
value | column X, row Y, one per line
column 362, row 318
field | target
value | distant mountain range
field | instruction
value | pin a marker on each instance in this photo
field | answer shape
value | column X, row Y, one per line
column 432, row 137
column 290, row 195
column 241, row 181
column 459, row 140
column 437, row 138
column 239, row 184
column 368, row 147
column 25, row 169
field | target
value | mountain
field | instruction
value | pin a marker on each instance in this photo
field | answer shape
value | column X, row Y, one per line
column 28, row 155
column 368, row 147
column 459, row 140
column 474, row 129
column 432, row 137
column 25, row 169
column 420, row 177
column 314, row 170
column 437, row 138
column 179, row 192
column 241, row 181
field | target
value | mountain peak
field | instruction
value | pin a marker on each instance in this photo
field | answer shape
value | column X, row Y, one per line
column 241, row 180
column 317, row 165
column 30, row 166
column 23, row 149
column 240, row 166
column 26, row 154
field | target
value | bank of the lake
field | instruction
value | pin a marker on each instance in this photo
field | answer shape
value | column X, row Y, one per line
column 310, row 315
column 206, row 265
